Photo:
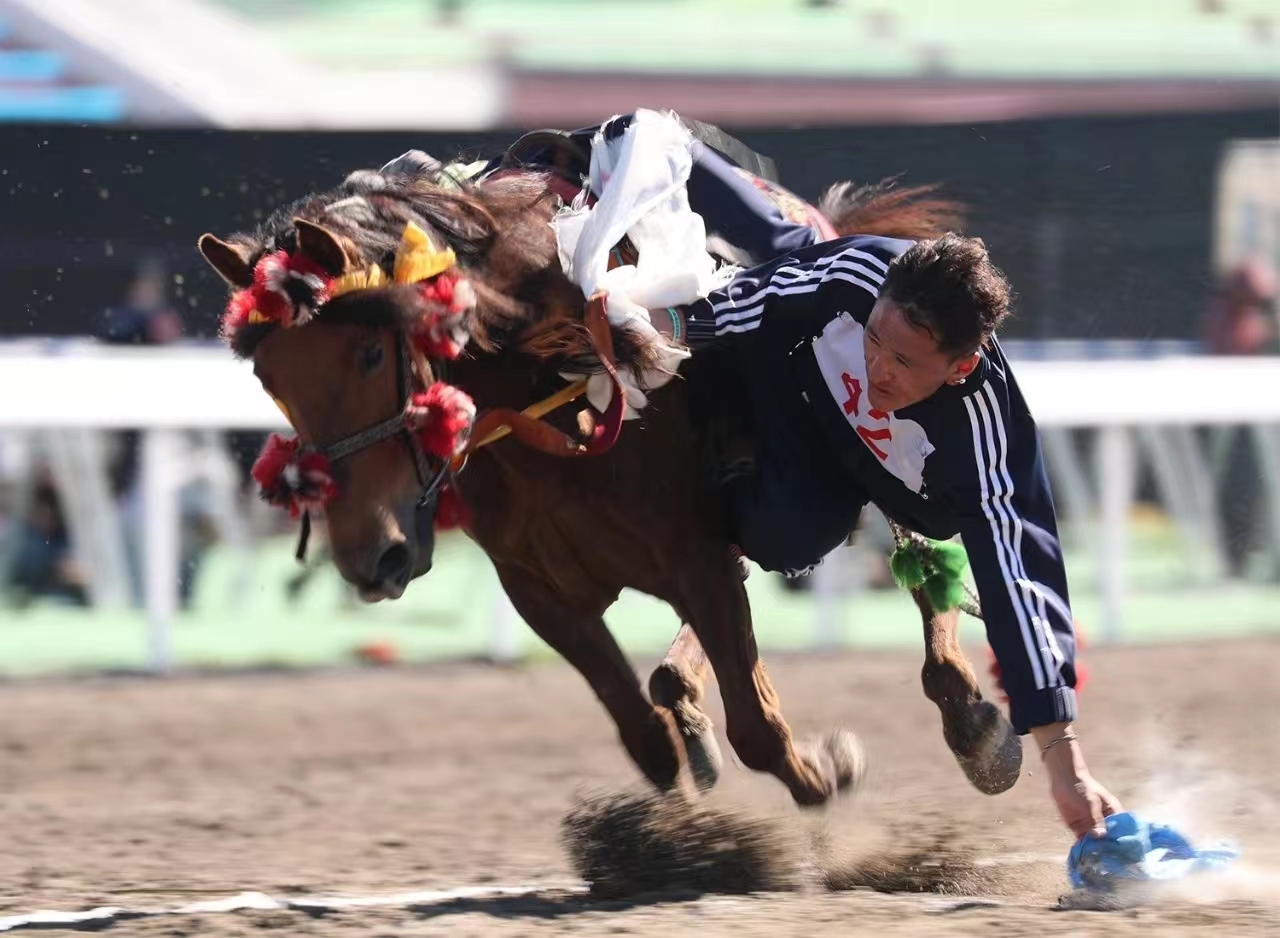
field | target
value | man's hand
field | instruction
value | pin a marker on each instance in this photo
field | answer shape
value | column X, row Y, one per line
column 1082, row 801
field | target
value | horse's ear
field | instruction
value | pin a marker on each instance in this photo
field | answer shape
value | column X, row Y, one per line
column 229, row 260
column 322, row 246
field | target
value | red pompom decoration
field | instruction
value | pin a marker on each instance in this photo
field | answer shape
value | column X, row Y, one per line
column 269, row 296
column 451, row 511
column 292, row 478
column 238, row 309
column 441, row 331
column 439, row 289
column 442, row 416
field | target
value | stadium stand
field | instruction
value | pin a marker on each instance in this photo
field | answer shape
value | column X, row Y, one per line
column 38, row 85
column 1137, row 39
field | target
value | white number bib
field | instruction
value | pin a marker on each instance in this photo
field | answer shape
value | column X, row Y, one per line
column 900, row 445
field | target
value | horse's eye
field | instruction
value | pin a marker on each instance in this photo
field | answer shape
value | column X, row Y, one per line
column 371, row 360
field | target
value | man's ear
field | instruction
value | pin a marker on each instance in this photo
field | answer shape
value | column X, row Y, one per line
column 963, row 367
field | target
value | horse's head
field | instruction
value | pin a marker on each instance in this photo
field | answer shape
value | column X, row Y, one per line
column 351, row 305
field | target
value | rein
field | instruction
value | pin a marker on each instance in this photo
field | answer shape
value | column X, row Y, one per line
column 527, row 425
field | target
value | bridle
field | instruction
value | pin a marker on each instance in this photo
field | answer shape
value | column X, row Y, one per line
column 440, row 408
column 408, row 367
column 401, row 423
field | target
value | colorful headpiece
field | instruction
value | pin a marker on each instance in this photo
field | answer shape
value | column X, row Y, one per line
column 290, row 289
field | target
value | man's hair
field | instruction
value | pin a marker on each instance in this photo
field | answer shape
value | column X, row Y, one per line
column 949, row 287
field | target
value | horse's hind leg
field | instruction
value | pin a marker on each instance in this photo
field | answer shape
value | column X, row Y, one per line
column 582, row 638
column 678, row 684
column 982, row 740
column 714, row 602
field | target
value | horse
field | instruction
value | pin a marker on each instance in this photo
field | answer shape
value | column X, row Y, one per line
column 360, row 372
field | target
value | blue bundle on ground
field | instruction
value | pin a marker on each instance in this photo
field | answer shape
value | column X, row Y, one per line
column 1136, row 850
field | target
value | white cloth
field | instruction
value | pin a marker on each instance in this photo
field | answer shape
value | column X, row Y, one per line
column 639, row 181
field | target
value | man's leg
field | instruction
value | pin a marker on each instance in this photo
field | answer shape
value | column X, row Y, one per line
column 732, row 208
column 738, row 212
column 787, row 516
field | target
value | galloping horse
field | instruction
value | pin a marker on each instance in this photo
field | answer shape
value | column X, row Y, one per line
column 357, row 304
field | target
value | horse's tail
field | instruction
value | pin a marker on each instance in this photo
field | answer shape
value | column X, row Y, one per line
column 885, row 210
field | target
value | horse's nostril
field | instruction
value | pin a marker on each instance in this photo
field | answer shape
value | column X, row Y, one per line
column 394, row 566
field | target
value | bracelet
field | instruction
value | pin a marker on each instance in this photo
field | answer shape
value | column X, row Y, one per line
column 1064, row 738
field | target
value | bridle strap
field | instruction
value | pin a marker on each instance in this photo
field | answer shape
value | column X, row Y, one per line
column 365, row 438
column 394, row 426
column 527, row 426
column 385, row 430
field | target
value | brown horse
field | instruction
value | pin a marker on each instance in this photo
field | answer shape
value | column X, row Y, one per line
column 565, row 535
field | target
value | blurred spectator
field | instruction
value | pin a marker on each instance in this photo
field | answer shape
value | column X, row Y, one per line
column 1242, row 321
column 145, row 318
column 1242, row 318
column 43, row 565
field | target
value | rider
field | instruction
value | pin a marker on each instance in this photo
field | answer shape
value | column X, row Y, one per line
column 871, row 373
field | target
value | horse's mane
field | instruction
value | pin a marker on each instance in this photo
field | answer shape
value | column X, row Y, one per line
column 501, row 235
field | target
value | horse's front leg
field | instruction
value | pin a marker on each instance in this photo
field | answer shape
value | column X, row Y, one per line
column 678, row 684
column 583, row 639
column 983, row 741
column 713, row 601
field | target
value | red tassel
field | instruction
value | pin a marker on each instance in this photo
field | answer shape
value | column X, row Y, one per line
column 268, row 295
column 442, row 416
column 441, row 330
column 451, row 511
column 439, row 289
column 440, row 345
column 292, row 479
column 237, row 316
column 278, row 452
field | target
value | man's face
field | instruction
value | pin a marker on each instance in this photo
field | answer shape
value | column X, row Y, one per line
column 904, row 364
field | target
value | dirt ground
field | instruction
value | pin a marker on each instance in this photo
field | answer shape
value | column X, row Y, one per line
column 143, row 793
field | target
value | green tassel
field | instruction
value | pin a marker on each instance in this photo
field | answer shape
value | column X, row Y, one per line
column 950, row 557
column 937, row 569
column 944, row 592
column 907, row 566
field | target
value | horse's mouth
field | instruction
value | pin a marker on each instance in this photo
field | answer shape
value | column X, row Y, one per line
column 393, row 589
column 376, row 594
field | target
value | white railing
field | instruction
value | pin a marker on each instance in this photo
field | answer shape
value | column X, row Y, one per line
column 164, row 392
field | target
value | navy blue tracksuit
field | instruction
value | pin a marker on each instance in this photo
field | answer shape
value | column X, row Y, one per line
column 965, row 461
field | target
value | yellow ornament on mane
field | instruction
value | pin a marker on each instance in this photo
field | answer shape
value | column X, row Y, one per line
column 366, row 279
column 417, row 259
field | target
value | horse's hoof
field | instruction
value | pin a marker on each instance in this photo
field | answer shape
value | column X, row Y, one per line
column 848, row 759
column 839, row 760
column 705, row 759
column 700, row 745
column 992, row 759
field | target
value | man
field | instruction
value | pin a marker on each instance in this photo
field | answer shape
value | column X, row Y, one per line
column 872, row 374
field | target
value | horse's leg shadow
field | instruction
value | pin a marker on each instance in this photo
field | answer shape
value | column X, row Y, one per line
column 982, row 740
column 582, row 638
column 713, row 601
column 678, row 684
